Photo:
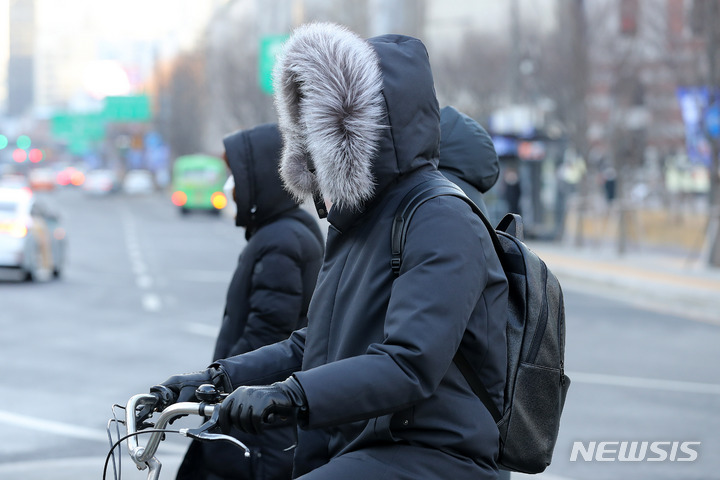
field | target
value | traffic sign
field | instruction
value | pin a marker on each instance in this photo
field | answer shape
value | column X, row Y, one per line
column 270, row 46
column 712, row 120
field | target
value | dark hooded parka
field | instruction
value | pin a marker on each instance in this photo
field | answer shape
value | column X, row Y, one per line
column 360, row 124
column 268, row 296
column 467, row 155
column 468, row 159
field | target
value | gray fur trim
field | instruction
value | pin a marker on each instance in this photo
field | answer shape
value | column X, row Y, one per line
column 328, row 95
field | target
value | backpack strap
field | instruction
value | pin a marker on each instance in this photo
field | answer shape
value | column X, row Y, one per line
column 512, row 224
column 416, row 197
column 408, row 205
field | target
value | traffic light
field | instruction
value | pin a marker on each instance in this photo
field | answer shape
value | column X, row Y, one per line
column 23, row 141
column 35, row 155
column 19, row 155
column 3, row 141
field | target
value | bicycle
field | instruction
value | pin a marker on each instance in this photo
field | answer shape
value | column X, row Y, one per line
column 141, row 407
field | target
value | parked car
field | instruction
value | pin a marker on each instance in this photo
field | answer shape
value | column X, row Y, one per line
column 32, row 240
column 101, row 182
column 70, row 176
column 138, row 182
column 14, row 180
column 41, row 179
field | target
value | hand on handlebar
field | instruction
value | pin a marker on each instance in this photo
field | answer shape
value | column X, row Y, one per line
column 251, row 409
column 181, row 388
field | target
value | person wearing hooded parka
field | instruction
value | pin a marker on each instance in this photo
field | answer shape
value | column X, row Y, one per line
column 467, row 155
column 267, row 298
column 469, row 160
column 371, row 379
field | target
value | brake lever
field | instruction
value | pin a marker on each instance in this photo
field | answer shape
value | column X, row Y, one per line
column 205, row 432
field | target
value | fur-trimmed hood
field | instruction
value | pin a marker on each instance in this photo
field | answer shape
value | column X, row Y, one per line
column 360, row 113
column 253, row 156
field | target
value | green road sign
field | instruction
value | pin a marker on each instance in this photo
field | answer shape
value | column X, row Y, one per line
column 270, row 46
column 79, row 130
column 130, row 108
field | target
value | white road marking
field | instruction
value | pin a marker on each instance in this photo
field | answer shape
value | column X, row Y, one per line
column 648, row 383
column 202, row 329
column 51, row 426
column 205, row 276
column 144, row 281
column 85, row 464
column 67, row 429
column 151, row 302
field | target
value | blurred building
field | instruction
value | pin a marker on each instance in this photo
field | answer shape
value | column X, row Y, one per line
column 54, row 44
column 641, row 54
column 243, row 36
column 21, row 59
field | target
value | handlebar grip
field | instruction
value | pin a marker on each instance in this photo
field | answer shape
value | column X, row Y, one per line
column 165, row 395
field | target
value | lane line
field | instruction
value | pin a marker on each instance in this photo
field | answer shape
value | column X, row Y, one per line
column 67, row 429
column 205, row 276
column 51, row 426
column 201, row 329
column 151, row 302
column 144, row 281
column 647, row 383
column 86, row 464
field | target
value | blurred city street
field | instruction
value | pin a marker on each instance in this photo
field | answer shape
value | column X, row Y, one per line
column 142, row 296
column 605, row 119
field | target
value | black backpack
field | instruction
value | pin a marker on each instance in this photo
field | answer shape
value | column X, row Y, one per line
column 536, row 383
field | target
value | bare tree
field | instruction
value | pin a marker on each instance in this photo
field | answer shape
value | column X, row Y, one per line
column 231, row 49
column 182, row 104
column 474, row 78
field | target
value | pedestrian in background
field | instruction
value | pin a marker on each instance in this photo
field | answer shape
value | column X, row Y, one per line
column 467, row 155
column 469, row 160
column 371, row 380
column 267, row 299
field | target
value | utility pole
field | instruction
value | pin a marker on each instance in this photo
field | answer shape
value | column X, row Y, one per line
column 515, row 42
column 578, row 133
column 712, row 32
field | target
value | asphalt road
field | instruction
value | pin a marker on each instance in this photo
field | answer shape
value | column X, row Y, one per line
column 142, row 297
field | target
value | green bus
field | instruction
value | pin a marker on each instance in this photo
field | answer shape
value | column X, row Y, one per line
column 197, row 183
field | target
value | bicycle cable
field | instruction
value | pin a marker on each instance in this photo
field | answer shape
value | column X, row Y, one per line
column 117, row 470
column 122, row 439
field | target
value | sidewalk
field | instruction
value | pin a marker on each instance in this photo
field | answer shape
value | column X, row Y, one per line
column 662, row 282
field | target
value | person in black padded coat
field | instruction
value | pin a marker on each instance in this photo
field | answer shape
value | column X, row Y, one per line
column 267, row 299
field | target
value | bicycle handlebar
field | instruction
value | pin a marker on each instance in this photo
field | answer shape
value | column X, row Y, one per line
column 144, row 457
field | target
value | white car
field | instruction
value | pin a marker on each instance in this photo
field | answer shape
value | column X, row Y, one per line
column 138, row 182
column 100, row 182
column 31, row 238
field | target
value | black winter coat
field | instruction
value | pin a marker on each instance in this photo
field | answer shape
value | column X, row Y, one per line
column 375, row 362
column 268, row 296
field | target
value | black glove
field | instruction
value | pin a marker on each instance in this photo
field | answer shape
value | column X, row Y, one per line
column 253, row 408
column 181, row 388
